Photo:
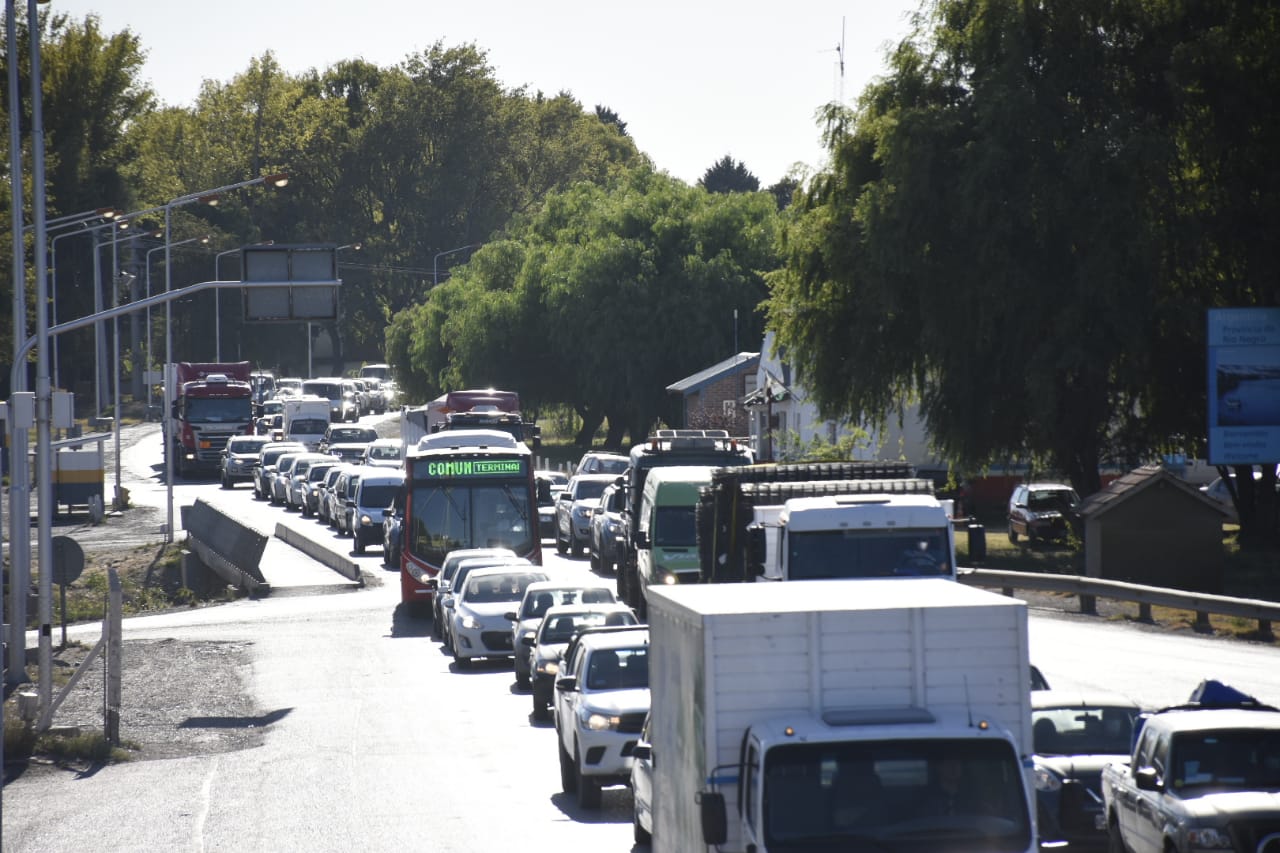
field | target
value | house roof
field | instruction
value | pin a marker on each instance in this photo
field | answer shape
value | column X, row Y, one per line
column 740, row 363
column 1135, row 482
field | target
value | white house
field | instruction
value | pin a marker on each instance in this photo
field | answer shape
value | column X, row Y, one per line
column 782, row 416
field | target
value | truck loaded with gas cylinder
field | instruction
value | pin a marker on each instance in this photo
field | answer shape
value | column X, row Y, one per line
column 210, row 403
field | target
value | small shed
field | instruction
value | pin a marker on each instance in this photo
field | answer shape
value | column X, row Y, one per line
column 1150, row 527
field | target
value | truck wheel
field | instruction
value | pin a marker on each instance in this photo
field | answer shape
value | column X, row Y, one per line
column 588, row 788
column 1115, row 842
column 568, row 774
column 640, row 834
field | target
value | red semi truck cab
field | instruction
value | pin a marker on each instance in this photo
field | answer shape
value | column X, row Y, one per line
column 212, row 401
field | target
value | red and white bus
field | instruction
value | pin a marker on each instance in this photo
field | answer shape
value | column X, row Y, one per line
column 465, row 489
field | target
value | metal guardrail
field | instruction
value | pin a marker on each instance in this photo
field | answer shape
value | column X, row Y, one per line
column 1088, row 590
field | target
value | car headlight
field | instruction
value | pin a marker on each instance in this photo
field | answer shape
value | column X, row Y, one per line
column 665, row 575
column 418, row 573
column 598, row 722
column 471, row 623
column 366, row 520
column 1209, row 838
column 548, row 667
column 1046, row 780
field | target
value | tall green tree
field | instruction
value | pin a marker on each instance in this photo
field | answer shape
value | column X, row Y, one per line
column 728, row 175
column 603, row 297
column 1013, row 230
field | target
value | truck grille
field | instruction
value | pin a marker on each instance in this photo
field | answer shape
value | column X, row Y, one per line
column 631, row 723
column 217, row 441
column 1262, row 836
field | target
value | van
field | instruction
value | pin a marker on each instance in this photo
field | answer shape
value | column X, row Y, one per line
column 666, row 539
column 375, row 491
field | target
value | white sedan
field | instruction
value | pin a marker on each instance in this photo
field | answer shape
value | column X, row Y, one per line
column 478, row 626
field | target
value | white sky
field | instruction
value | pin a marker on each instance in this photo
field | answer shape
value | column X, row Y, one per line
column 693, row 80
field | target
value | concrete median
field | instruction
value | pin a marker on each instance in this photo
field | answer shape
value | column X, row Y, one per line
column 319, row 552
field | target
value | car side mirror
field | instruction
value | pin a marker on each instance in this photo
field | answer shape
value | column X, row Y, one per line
column 642, row 752
column 1146, row 779
column 511, row 616
column 715, row 820
column 529, row 641
column 568, row 684
column 642, row 539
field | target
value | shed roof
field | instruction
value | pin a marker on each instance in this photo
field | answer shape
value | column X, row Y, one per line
column 740, row 363
column 1134, row 483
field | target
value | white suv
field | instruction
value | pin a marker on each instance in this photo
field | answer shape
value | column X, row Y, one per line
column 601, row 699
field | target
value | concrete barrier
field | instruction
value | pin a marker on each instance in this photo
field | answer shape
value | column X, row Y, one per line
column 226, row 546
column 320, row 552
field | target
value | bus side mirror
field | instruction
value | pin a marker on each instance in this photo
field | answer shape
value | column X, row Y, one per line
column 715, row 823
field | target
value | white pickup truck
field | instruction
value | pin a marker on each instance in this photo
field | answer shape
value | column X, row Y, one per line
column 1201, row 777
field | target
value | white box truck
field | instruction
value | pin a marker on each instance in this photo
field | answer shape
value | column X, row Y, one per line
column 884, row 715
column 305, row 420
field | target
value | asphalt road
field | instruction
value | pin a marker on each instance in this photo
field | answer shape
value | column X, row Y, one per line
column 359, row 735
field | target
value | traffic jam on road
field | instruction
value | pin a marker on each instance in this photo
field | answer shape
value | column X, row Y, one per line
column 877, row 703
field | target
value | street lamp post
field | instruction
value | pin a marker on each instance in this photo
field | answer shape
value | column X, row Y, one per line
column 435, row 275
column 208, row 197
column 150, row 252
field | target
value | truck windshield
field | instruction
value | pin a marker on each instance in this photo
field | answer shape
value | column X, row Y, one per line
column 673, row 526
column 905, row 796
column 219, row 410
column 813, row 555
column 1228, row 760
column 308, row 426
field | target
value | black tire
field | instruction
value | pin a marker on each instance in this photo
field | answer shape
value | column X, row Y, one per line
column 226, row 484
column 522, row 680
column 639, row 833
column 561, row 547
column 306, row 511
column 435, row 626
column 568, row 773
column 1013, row 535
column 588, row 788
column 1115, row 842
column 575, row 547
column 593, row 557
column 359, row 540
column 605, row 564
column 540, row 709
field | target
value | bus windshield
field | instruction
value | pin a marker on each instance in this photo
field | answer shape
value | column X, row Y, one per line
column 450, row 515
column 219, row 409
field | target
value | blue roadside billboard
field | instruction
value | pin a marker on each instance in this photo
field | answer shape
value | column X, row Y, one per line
column 1243, row 349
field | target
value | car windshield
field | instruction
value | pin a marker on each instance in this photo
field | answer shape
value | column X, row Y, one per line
column 561, row 628
column 588, row 490
column 1083, row 730
column 1050, row 499
column 1232, row 759
column 383, row 452
column 244, row 445
column 319, row 471
column 537, row 604
column 351, row 434
column 496, row 588
column 618, row 669
column 379, row 495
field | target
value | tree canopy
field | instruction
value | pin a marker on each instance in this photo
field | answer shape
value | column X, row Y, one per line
column 1025, row 220
column 600, row 299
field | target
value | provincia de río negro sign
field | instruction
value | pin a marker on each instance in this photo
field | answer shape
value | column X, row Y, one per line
column 1243, row 353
